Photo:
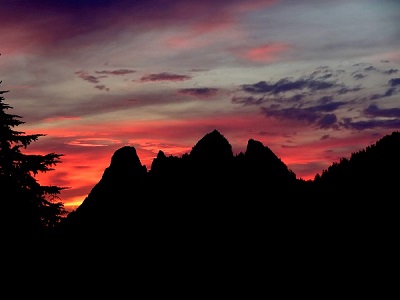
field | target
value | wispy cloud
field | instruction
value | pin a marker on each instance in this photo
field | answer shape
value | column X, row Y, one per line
column 116, row 72
column 393, row 89
column 286, row 85
column 322, row 100
column 89, row 78
column 164, row 76
column 374, row 111
column 85, row 75
column 199, row 92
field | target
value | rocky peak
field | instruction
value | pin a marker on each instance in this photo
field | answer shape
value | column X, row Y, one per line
column 125, row 165
column 263, row 161
column 257, row 151
column 212, row 147
column 125, row 157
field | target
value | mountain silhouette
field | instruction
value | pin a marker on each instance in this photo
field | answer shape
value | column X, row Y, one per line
column 210, row 197
column 213, row 147
column 201, row 191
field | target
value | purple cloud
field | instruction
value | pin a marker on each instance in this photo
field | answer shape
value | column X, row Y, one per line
column 392, row 90
column 327, row 121
column 102, row 87
column 310, row 98
column 199, row 92
column 249, row 100
column 85, row 76
column 390, row 71
column 287, row 85
column 165, row 76
column 363, row 125
column 310, row 115
column 394, row 82
column 116, row 72
column 374, row 111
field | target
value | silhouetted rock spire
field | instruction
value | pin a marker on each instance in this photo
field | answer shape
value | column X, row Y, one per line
column 263, row 162
column 163, row 165
column 125, row 157
column 257, row 151
column 212, row 147
column 125, row 164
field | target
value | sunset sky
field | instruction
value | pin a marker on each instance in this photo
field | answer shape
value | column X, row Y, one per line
column 312, row 80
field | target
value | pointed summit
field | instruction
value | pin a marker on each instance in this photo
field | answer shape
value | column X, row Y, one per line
column 212, row 147
column 262, row 161
column 257, row 151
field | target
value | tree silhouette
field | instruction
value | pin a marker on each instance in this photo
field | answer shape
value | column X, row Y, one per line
column 30, row 211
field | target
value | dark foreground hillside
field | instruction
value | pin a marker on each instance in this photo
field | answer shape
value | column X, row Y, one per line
column 212, row 199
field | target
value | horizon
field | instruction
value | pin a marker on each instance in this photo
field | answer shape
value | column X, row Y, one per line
column 313, row 81
column 73, row 205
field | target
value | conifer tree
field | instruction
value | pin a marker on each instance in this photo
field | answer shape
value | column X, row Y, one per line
column 29, row 211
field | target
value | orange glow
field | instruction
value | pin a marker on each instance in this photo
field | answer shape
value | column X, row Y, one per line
column 74, row 202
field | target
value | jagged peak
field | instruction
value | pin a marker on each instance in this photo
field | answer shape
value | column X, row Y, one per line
column 256, row 149
column 161, row 154
column 213, row 146
column 262, row 158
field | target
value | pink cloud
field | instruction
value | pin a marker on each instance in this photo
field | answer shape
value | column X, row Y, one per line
column 265, row 53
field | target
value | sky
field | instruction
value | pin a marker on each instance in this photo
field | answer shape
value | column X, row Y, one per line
column 313, row 80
